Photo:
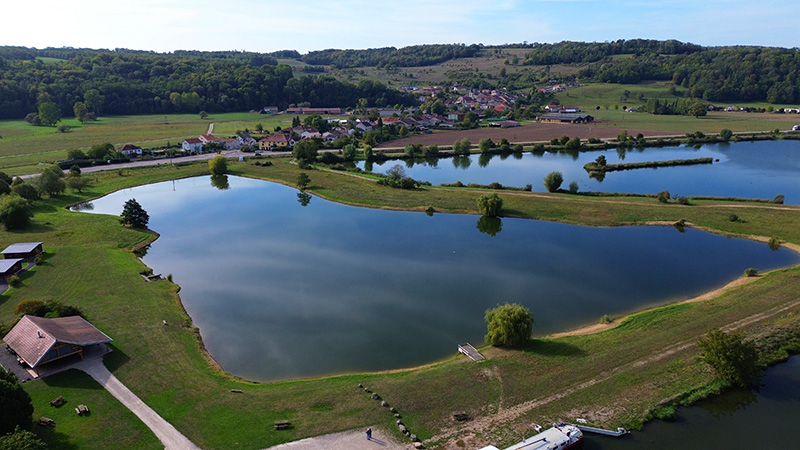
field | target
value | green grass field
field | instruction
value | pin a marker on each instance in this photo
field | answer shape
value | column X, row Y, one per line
column 23, row 146
column 89, row 264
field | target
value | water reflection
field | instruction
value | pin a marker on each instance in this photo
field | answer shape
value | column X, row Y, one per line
column 220, row 182
column 490, row 225
column 742, row 169
column 304, row 198
column 83, row 206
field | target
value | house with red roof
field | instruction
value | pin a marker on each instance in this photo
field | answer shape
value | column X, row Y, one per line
column 192, row 145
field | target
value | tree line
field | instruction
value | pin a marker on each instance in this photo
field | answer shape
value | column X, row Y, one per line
column 729, row 74
column 134, row 82
column 415, row 55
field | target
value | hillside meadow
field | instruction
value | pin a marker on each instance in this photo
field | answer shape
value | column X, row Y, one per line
column 615, row 378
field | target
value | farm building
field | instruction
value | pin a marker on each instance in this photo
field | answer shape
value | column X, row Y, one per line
column 23, row 250
column 566, row 118
column 9, row 267
column 131, row 150
column 504, row 124
column 37, row 340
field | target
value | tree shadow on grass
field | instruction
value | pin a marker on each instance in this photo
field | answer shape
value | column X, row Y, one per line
column 546, row 347
column 54, row 439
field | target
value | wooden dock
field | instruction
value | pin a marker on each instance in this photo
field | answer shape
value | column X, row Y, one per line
column 618, row 433
column 467, row 349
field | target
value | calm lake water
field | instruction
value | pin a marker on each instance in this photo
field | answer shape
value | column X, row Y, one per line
column 745, row 169
column 280, row 290
column 737, row 420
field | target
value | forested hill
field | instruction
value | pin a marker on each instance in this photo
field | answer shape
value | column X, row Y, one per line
column 136, row 82
column 415, row 55
column 731, row 74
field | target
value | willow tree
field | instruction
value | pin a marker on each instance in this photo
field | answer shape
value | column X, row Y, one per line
column 509, row 324
column 490, row 204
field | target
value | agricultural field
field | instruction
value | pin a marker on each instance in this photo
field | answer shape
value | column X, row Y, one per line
column 23, row 146
column 489, row 63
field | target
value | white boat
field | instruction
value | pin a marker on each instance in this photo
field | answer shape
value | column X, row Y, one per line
column 560, row 437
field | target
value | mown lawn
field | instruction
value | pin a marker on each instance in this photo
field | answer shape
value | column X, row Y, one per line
column 89, row 264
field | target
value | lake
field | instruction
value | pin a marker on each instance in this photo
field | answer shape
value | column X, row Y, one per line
column 760, row 169
column 740, row 419
column 281, row 290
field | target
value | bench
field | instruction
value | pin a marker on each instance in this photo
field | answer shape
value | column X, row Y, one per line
column 81, row 410
column 46, row 422
column 282, row 424
column 58, row 401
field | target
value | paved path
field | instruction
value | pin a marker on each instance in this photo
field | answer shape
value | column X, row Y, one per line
column 346, row 440
column 166, row 433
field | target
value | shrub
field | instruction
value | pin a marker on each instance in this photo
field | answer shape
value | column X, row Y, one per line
column 725, row 134
column 553, row 181
column 490, row 204
column 750, row 272
column 32, row 307
column 730, row 357
column 329, row 158
column 733, row 218
column 573, row 144
column 683, row 200
column 14, row 281
column 573, row 187
column 778, row 199
column 774, row 243
column 663, row 196
column 605, row 319
column 15, row 212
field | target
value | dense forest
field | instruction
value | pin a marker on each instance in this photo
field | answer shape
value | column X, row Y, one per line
column 587, row 52
column 122, row 81
column 135, row 82
column 727, row 74
column 415, row 55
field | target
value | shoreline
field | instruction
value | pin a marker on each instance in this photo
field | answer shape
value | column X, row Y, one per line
column 581, row 331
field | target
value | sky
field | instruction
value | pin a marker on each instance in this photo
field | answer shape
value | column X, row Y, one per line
column 307, row 25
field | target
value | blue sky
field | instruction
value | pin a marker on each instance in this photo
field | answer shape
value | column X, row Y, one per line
column 307, row 25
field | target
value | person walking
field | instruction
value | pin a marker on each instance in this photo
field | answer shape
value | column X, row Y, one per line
column 369, row 434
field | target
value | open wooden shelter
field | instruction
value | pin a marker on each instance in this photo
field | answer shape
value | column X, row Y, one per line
column 37, row 340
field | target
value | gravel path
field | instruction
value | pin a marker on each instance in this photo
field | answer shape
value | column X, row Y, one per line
column 166, row 433
column 346, row 440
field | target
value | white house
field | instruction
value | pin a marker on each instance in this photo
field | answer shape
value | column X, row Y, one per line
column 130, row 149
column 192, row 145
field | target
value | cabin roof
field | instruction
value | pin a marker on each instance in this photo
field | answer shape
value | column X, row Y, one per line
column 32, row 337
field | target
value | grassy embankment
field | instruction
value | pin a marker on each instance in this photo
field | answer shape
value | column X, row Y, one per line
column 89, row 264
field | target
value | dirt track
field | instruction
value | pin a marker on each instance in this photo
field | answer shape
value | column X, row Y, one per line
column 533, row 132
